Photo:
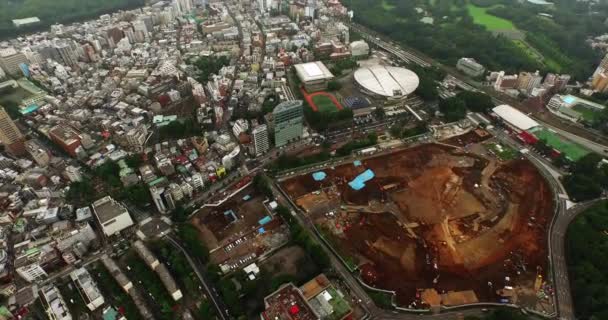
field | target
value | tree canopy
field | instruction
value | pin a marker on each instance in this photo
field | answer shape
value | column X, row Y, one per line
column 587, row 257
column 453, row 109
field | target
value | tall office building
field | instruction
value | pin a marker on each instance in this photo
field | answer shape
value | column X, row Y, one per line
column 11, row 60
column 528, row 81
column 288, row 118
column 158, row 200
column 182, row 6
column 66, row 53
column 603, row 66
column 260, row 139
column 10, row 136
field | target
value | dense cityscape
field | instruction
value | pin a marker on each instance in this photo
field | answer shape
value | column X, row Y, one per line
column 303, row 159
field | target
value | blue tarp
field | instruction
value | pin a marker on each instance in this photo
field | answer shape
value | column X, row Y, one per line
column 261, row 230
column 357, row 163
column 246, row 198
column 319, row 175
column 264, row 220
column 359, row 182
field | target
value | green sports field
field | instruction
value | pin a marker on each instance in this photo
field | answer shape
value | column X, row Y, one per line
column 587, row 113
column 324, row 103
column 570, row 149
column 481, row 17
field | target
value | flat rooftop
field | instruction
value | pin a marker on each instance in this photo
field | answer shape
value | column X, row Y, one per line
column 287, row 303
column 312, row 71
column 107, row 209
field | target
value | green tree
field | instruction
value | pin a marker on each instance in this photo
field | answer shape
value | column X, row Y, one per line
column 333, row 86
column 453, row 109
column 190, row 239
column 427, row 89
column 476, row 101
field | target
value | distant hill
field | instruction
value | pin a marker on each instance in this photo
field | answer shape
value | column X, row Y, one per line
column 55, row 11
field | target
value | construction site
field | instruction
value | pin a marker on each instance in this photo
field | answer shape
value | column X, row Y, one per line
column 240, row 228
column 436, row 224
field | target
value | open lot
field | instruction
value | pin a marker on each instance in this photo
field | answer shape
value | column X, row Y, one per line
column 481, row 17
column 240, row 229
column 435, row 217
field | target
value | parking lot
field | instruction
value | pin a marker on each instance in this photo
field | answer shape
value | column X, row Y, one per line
column 240, row 230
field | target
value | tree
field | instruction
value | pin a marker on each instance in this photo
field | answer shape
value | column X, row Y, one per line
column 81, row 192
column 477, row 101
column 453, row 109
column 262, row 185
column 134, row 160
column 427, row 89
column 189, row 236
column 333, row 85
column 581, row 187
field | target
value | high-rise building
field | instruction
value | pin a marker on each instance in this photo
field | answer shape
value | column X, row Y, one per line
column 157, row 198
column 11, row 60
column 182, row 6
column 288, row 118
column 600, row 82
column 10, row 136
column 66, row 52
column 260, row 139
column 528, row 81
column 603, row 66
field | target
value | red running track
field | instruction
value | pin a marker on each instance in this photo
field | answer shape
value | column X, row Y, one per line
column 311, row 103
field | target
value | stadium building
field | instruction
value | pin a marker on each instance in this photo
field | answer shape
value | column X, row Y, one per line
column 386, row 82
column 573, row 108
column 514, row 118
column 314, row 75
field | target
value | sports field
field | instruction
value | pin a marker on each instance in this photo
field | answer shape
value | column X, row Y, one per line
column 571, row 150
column 324, row 103
column 587, row 113
column 321, row 101
column 481, row 17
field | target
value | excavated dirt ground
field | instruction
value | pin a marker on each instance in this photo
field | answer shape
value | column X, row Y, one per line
column 434, row 217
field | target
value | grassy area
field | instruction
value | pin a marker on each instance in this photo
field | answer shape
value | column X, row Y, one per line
column 587, row 113
column 571, row 150
column 503, row 152
column 530, row 52
column 387, row 6
column 481, row 17
column 381, row 299
column 340, row 306
column 324, row 104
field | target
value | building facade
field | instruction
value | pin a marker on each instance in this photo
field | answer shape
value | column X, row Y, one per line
column 288, row 119
column 260, row 139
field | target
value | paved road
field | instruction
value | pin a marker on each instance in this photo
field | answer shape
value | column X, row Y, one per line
column 560, row 267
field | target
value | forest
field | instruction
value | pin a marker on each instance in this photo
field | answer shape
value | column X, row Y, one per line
column 55, row 11
column 530, row 42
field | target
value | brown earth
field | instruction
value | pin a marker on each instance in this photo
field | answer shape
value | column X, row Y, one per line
column 476, row 220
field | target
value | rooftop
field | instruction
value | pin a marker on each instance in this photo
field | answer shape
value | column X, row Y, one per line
column 287, row 303
column 107, row 209
column 312, row 71
column 387, row 81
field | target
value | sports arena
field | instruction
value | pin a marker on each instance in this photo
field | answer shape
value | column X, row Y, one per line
column 386, row 82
